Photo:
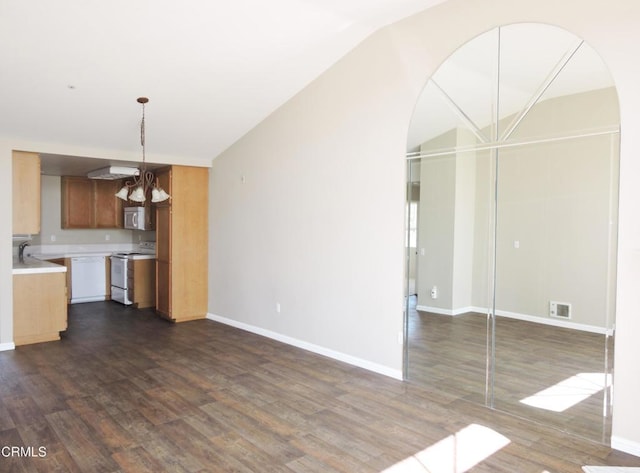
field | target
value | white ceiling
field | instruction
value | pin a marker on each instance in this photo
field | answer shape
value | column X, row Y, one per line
column 71, row 70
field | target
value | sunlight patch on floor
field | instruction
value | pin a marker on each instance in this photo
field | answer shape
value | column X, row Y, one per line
column 568, row 393
column 455, row 454
column 610, row 469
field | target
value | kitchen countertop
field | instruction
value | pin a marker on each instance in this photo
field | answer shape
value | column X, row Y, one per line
column 80, row 254
column 49, row 252
column 70, row 254
column 36, row 266
column 137, row 256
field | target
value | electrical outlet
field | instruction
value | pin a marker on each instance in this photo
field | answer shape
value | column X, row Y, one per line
column 278, row 307
column 107, row 237
column 434, row 292
column 53, row 238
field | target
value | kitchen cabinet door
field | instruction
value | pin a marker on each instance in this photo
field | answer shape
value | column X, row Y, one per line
column 108, row 208
column 26, row 193
column 142, row 283
column 39, row 307
column 90, row 203
column 163, row 289
column 163, row 234
column 66, row 262
column 77, row 202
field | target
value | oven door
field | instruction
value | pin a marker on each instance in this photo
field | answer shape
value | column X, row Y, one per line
column 120, row 295
column 119, row 272
column 119, row 279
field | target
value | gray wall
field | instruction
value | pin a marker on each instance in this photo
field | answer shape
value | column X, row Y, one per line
column 317, row 224
column 558, row 201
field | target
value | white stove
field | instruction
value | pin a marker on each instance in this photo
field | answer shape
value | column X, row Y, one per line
column 146, row 250
column 120, row 270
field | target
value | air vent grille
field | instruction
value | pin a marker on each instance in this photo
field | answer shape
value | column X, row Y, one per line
column 561, row 310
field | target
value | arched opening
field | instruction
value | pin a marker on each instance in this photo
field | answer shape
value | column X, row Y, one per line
column 512, row 227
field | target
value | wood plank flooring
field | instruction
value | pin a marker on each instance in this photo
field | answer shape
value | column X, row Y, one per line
column 125, row 391
column 450, row 353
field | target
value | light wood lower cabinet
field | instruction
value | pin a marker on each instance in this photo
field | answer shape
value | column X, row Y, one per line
column 66, row 262
column 39, row 307
column 142, row 282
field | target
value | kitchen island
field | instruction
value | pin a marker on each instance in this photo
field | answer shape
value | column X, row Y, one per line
column 39, row 301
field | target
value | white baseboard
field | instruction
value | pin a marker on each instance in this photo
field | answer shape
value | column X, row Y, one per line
column 624, row 445
column 553, row 322
column 7, row 346
column 518, row 316
column 439, row 311
column 352, row 360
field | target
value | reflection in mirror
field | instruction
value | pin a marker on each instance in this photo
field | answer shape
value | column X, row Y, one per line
column 512, row 192
column 556, row 263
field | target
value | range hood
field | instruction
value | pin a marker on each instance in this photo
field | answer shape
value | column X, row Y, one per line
column 113, row 172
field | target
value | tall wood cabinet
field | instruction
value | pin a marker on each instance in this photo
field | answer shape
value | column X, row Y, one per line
column 90, row 203
column 182, row 244
column 26, row 193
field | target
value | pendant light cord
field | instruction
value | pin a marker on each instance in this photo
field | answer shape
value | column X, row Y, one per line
column 142, row 139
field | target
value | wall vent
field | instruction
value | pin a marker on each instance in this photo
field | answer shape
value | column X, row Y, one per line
column 561, row 310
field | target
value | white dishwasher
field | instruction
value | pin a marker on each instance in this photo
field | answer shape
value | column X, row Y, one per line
column 88, row 279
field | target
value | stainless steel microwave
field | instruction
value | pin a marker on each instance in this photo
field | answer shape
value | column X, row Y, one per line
column 136, row 218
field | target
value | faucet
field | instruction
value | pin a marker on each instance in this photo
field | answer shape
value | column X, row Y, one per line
column 21, row 248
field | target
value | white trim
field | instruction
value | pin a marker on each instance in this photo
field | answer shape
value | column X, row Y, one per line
column 7, row 346
column 624, row 445
column 515, row 315
column 352, row 360
column 549, row 321
column 451, row 312
column 87, row 299
column 434, row 310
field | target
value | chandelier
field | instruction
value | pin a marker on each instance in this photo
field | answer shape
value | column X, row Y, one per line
column 136, row 191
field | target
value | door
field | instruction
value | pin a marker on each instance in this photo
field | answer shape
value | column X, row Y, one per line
column 516, row 144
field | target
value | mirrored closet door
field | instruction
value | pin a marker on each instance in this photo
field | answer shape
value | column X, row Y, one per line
column 511, row 228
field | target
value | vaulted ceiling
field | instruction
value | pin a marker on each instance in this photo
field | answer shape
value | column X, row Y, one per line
column 71, row 70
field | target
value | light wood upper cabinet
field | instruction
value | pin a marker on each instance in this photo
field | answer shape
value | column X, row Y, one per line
column 26, row 193
column 108, row 208
column 90, row 203
column 77, row 202
column 182, row 244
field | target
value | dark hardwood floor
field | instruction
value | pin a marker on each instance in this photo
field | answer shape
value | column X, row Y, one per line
column 125, row 391
column 548, row 374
